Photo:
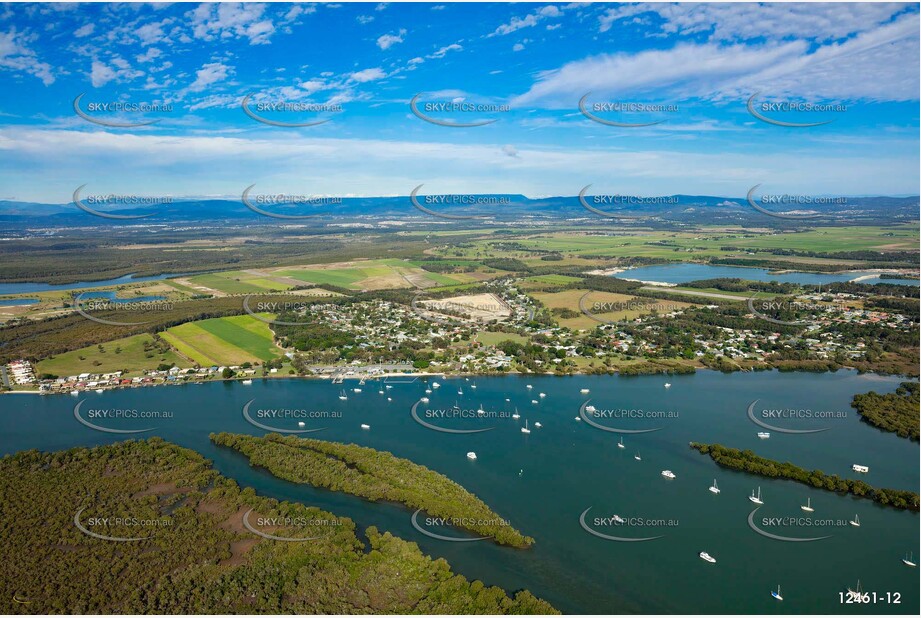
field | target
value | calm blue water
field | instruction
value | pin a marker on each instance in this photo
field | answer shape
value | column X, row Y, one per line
column 15, row 302
column 112, row 296
column 542, row 482
column 21, row 288
column 683, row 273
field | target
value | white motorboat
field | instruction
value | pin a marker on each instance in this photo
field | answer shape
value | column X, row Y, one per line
column 364, row 426
column 301, row 424
column 436, row 385
column 471, row 455
column 705, row 556
column 859, row 468
column 668, row 385
column 764, row 435
column 590, row 409
column 538, row 425
column 668, row 474
column 424, row 400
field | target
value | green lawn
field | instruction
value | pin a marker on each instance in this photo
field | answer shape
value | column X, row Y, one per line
column 125, row 354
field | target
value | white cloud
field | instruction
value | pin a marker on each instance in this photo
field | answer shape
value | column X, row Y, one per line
column 441, row 52
column 15, row 55
column 227, row 20
column 364, row 19
column 209, row 74
column 84, row 30
column 528, row 21
column 100, row 75
column 385, row 41
column 368, row 75
column 151, row 54
column 885, row 59
column 517, row 47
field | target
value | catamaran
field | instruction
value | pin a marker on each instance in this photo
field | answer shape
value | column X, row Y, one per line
column 776, row 593
column 621, row 443
column 756, row 500
column 855, row 522
column 907, row 560
column 808, row 506
column 525, row 428
column 714, row 488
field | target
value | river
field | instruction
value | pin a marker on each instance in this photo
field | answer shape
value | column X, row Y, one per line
column 543, row 481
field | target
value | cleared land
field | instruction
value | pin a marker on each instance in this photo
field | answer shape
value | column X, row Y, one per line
column 479, row 307
column 371, row 275
column 603, row 305
column 224, row 341
column 130, row 354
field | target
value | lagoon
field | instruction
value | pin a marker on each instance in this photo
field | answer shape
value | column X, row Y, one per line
column 684, row 273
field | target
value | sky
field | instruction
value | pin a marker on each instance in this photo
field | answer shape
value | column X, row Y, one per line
column 518, row 71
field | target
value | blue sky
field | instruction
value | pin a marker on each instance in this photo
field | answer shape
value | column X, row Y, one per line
column 539, row 60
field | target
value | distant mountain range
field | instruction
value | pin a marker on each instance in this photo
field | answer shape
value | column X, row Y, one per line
column 501, row 208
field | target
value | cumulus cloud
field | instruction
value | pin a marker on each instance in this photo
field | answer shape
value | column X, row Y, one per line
column 385, row 41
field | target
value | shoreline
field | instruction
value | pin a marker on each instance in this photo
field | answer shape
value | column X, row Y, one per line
column 417, row 375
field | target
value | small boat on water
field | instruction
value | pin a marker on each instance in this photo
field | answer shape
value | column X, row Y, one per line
column 342, row 395
column 589, row 408
column 621, row 443
column 764, row 435
column 859, row 468
column 99, row 390
column 356, row 390
column 424, row 400
column 244, row 383
column 776, row 593
column 808, row 506
column 390, row 399
column 365, row 426
column 74, row 392
column 542, row 395
column 618, row 519
column 534, row 401
column 471, row 455
column 516, row 415
column 428, row 391
column 525, row 428
column 756, row 500
column 473, row 386
column 668, row 474
column 480, row 411
column 637, row 456
column 436, row 385
column 707, row 557
column 713, row 488
column 529, row 387
column 301, row 424
column 908, row 560
column 380, row 392
column 538, row 425
column 668, row 385
column 578, row 418
column 387, row 386
column 855, row 522
column 507, row 400
column 856, row 592
column 584, row 391
column 460, row 391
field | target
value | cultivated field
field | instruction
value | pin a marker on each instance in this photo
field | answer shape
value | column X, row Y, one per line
column 479, row 307
column 224, row 341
